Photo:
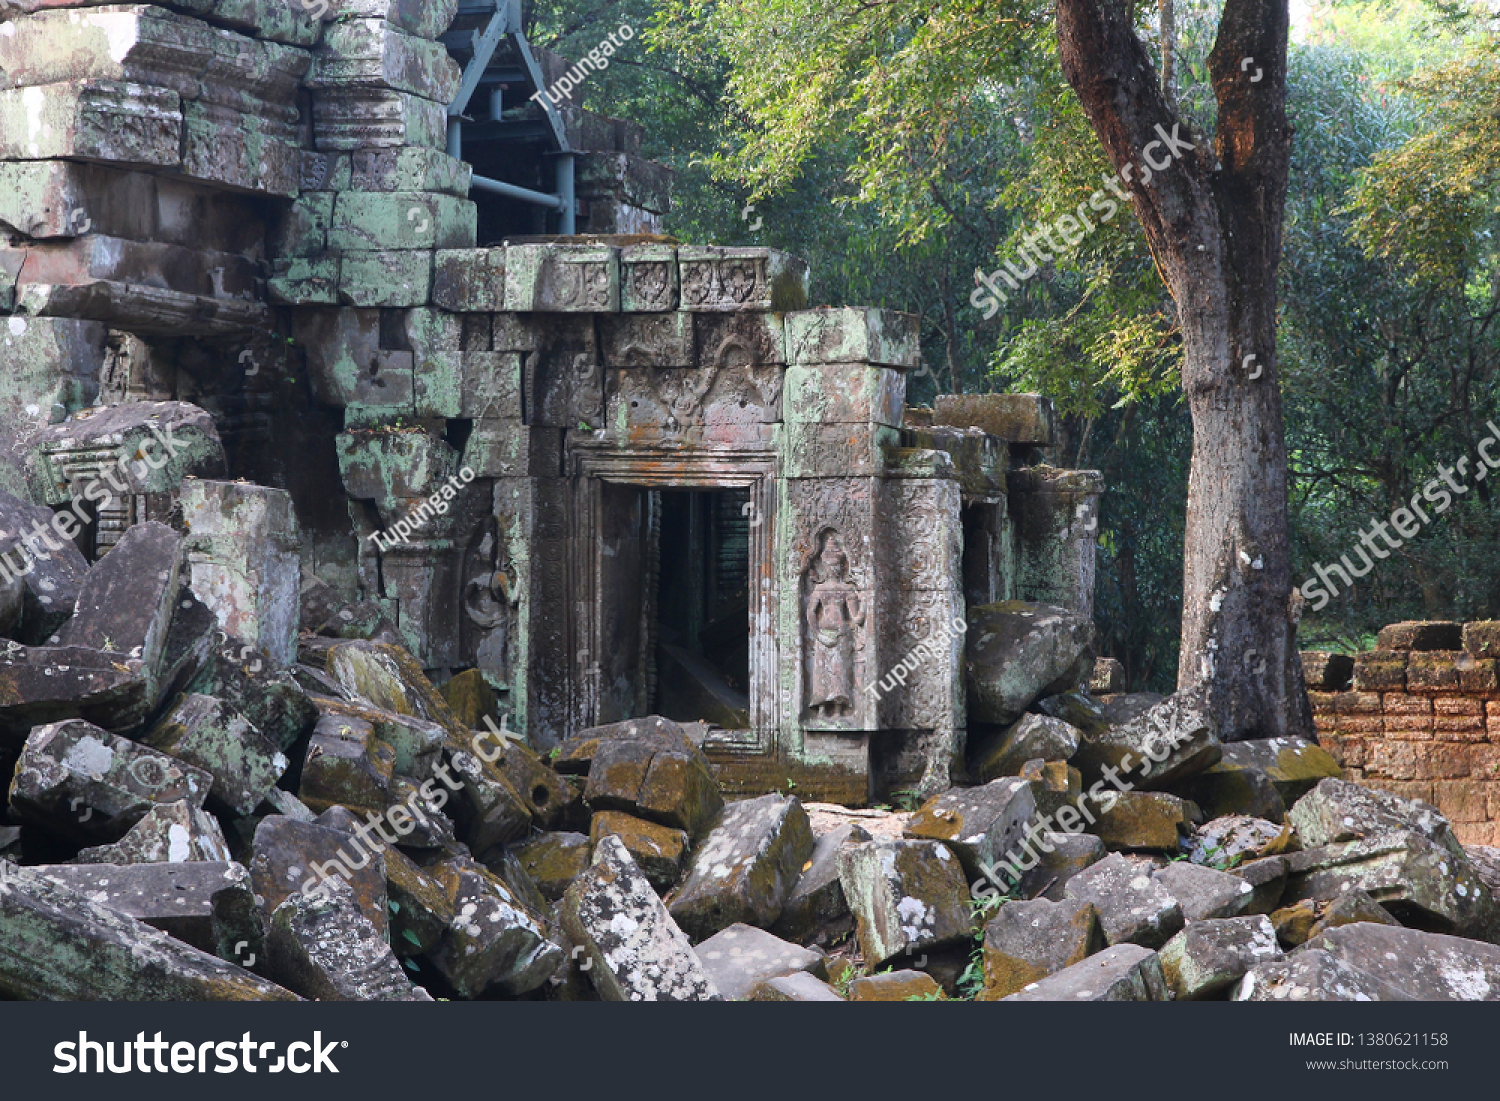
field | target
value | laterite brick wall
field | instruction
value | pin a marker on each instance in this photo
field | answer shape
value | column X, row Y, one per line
column 1419, row 716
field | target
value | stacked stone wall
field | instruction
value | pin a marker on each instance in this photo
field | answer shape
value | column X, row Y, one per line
column 1419, row 716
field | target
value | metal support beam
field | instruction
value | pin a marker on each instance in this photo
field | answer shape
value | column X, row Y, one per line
column 565, row 191
column 522, row 194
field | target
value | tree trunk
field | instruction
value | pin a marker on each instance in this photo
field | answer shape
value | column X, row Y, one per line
column 1213, row 221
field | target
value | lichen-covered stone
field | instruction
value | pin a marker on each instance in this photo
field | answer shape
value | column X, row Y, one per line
column 1027, row 941
column 1313, row 975
column 1209, row 956
column 740, row 957
column 650, row 768
column 1172, row 741
column 57, row 944
column 1017, row 652
column 1123, row 973
column 1133, row 907
column 92, row 785
column 169, row 833
column 493, row 941
column 1417, row 880
column 1147, row 820
column 745, row 868
column 1337, row 810
column 554, row 860
column 1204, row 893
column 180, row 899
column 1293, row 765
column 635, row 950
column 214, row 737
column 346, row 765
column 1033, row 737
column 326, row 948
column 905, row 896
column 1060, row 856
column 1428, row 967
column 982, row 825
column 291, row 857
column 659, row 850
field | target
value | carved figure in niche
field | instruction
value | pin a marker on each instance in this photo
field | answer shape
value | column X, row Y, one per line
column 682, row 392
column 490, row 599
column 834, row 613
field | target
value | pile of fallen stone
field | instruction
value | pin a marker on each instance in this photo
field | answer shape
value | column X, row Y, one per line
column 191, row 819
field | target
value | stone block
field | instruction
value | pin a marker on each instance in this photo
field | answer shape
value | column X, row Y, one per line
column 1133, row 907
column 895, row 986
column 130, row 125
column 408, row 168
column 554, row 860
column 385, row 278
column 1034, row 737
column 1203, row 893
column 636, row 951
column 1015, row 418
column 982, row 825
column 659, row 850
column 243, row 554
column 1481, row 639
column 1208, row 957
column 1017, row 652
column 906, row 896
column 1313, row 976
column 365, row 118
column 1337, row 810
column 845, row 394
column 365, row 221
column 1326, row 672
column 1174, row 740
column 289, row 857
column 207, row 734
column 728, row 280
column 745, row 868
column 469, row 279
column 1427, row 967
column 1122, row 973
column 88, row 784
column 372, row 53
column 562, row 278
column 1435, row 672
column 741, row 957
column 1423, row 635
column 326, row 948
column 495, row 942
column 169, row 833
column 648, row 279
column 816, row 908
column 796, row 987
column 853, row 336
column 1380, row 671
column 126, row 959
column 1027, row 941
column 181, row 899
column 648, row 340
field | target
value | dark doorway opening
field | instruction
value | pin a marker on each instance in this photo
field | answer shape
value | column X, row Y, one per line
column 702, row 621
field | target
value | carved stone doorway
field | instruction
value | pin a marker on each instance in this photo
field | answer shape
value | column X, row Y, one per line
column 676, row 593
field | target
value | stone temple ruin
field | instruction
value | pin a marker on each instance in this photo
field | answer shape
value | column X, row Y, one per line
column 417, row 572
column 671, row 488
